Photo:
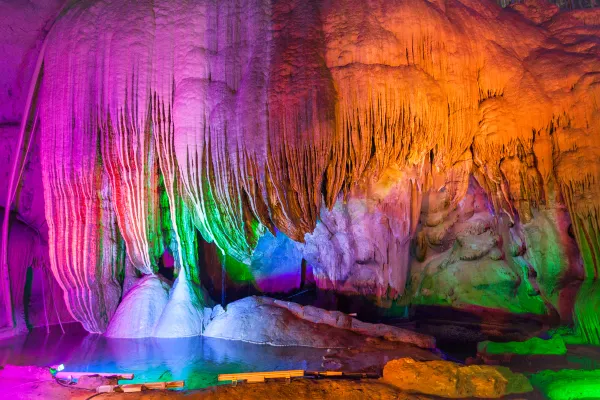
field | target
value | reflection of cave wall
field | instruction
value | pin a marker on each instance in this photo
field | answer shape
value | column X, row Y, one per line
column 410, row 152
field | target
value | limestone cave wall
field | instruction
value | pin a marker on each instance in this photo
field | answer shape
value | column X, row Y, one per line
column 409, row 152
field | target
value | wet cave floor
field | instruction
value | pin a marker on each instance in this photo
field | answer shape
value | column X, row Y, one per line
column 199, row 361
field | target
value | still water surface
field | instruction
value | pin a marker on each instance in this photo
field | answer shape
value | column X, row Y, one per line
column 197, row 360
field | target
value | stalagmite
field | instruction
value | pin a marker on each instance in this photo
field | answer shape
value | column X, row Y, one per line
column 140, row 309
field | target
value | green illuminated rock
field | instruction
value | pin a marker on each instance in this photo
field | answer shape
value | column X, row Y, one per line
column 554, row 346
column 568, row 384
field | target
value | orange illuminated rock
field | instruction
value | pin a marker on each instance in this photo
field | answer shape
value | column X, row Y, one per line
column 448, row 379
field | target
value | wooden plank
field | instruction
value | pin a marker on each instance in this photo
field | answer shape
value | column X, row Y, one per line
column 138, row 387
column 331, row 373
column 260, row 376
column 77, row 375
column 163, row 385
column 105, row 389
column 130, row 388
column 341, row 374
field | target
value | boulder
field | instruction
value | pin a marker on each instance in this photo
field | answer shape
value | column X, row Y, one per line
column 344, row 321
column 448, row 379
column 256, row 320
column 340, row 320
column 277, row 312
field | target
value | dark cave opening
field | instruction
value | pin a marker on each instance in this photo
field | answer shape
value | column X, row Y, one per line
column 27, row 295
column 166, row 266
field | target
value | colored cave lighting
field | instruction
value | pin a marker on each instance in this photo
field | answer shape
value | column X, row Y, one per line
column 56, row 368
column 412, row 152
column 568, row 384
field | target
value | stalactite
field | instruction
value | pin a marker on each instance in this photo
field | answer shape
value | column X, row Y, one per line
column 581, row 196
column 250, row 115
column 576, row 152
column 181, row 221
column 300, row 118
column 79, row 209
column 202, row 122
column 398, row 98
column 125, row 123
column 130, row 163
column 585, row 312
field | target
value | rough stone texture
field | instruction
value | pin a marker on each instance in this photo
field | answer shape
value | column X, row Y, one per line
column 264, row 320
column 447, row 379
column 252, row 320
column 39, row 303
column 469, row 257
column 340, row 320
column 361, row 247
column 23, row 26
column 29, row 199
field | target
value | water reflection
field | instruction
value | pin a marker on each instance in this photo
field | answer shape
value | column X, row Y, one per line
column 196, row 360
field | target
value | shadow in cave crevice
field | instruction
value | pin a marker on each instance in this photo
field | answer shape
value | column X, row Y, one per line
column 223, row 289
column 219, row 286
column 27, row 297
column 166, row 266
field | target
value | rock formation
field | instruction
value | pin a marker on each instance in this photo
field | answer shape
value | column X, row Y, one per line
column 411, row 152
column 266, row 321
column 450, row 380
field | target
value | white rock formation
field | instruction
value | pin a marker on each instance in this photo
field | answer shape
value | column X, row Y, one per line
column 140, row 309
